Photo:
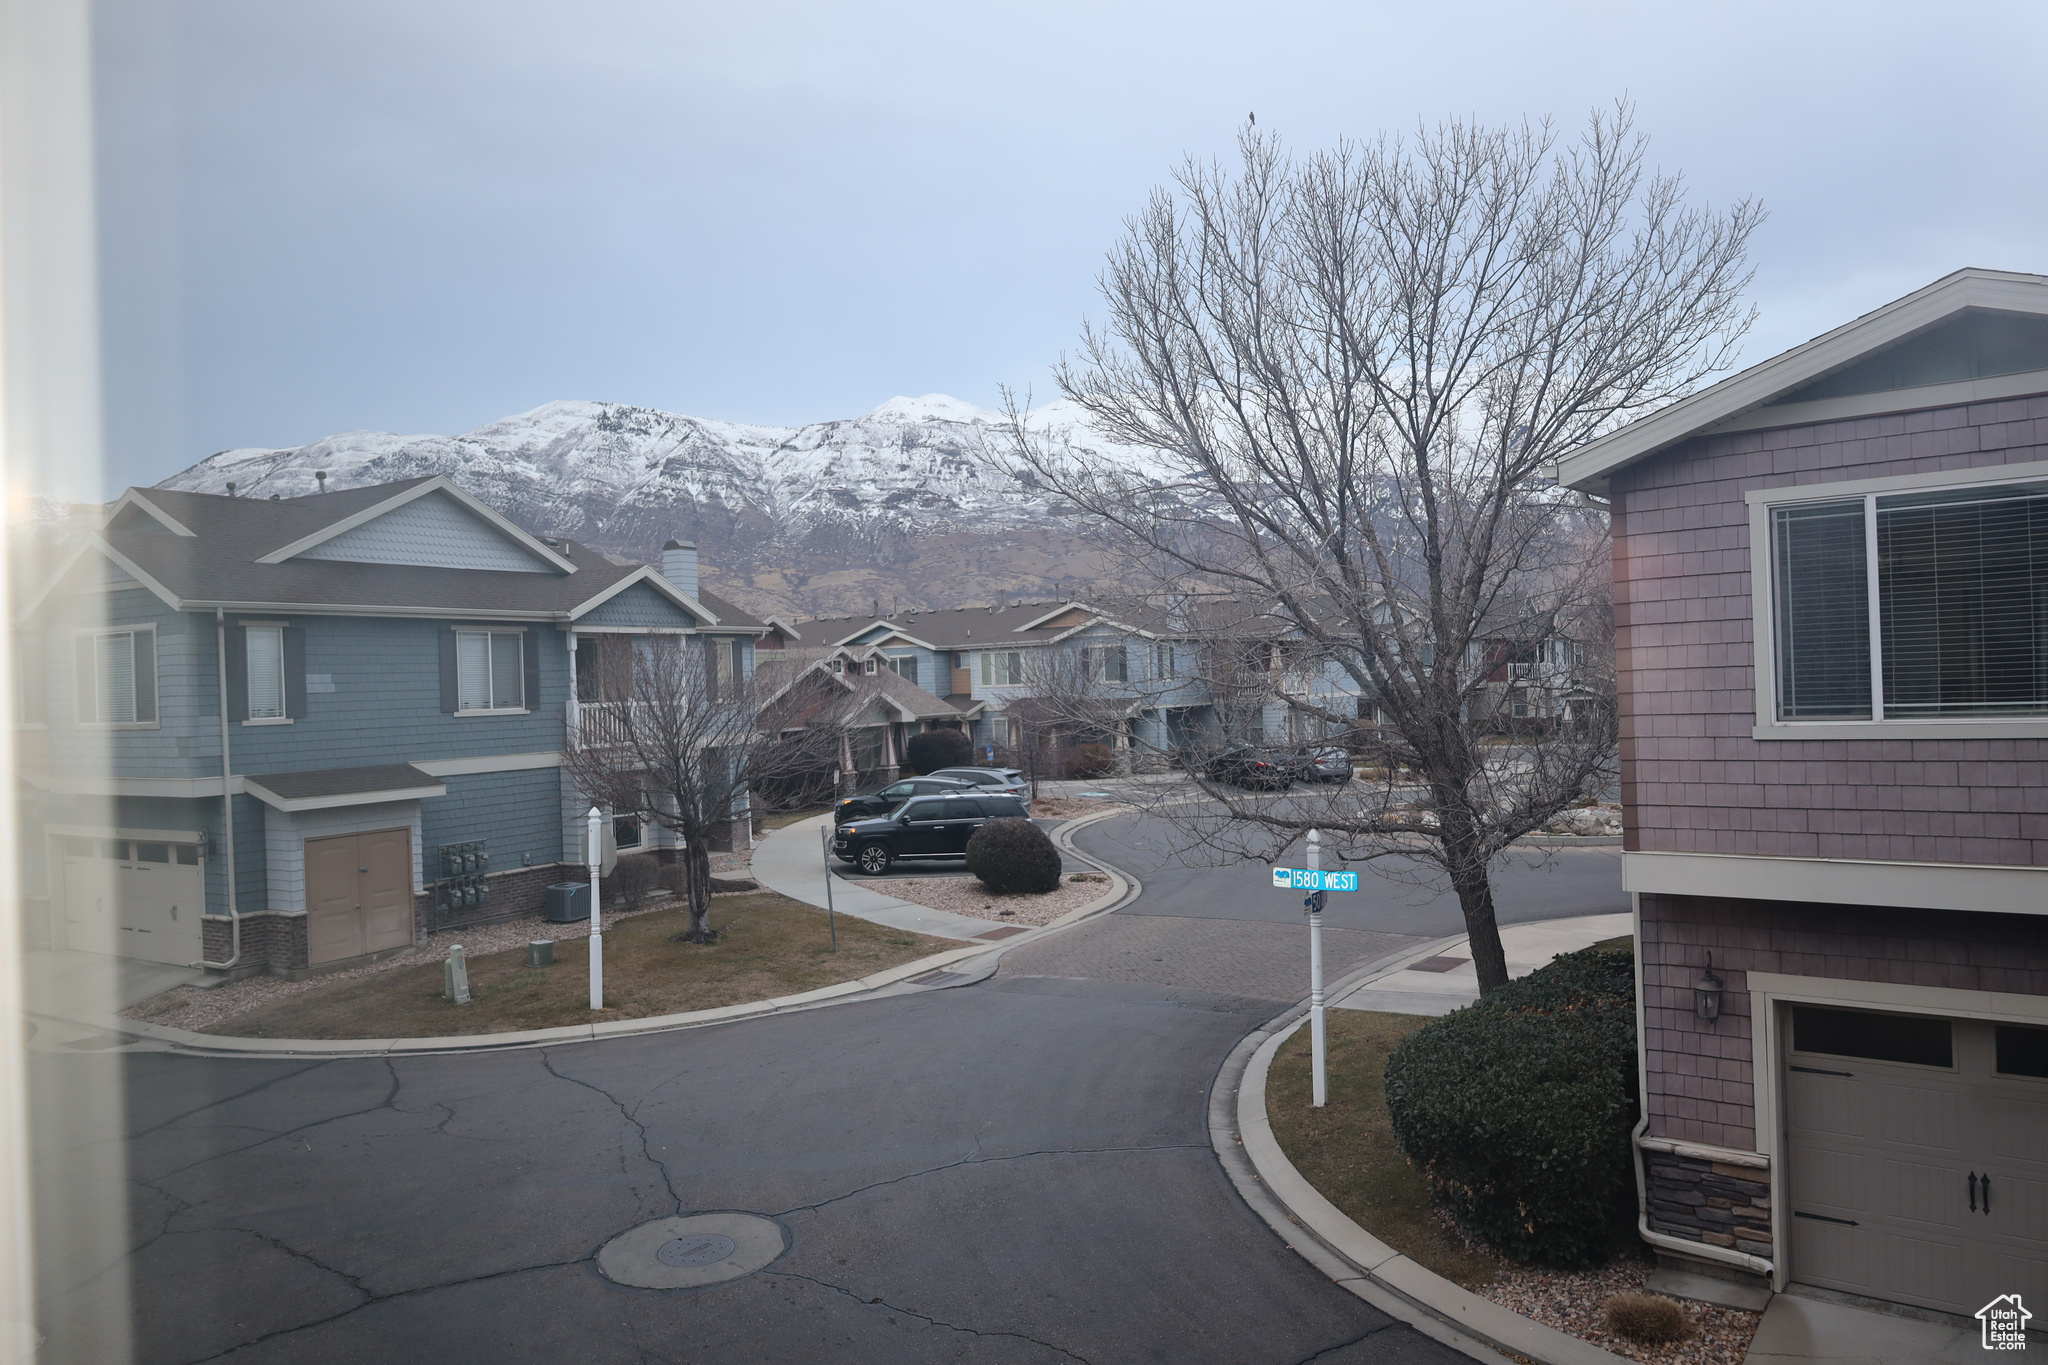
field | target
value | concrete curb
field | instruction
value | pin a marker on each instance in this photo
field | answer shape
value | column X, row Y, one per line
column 845, row 992
column 1339, row 1247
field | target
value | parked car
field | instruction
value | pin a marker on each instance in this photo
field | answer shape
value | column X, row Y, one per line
column 888, row 798
column 1248, row 766
column 1322, row 763
column 926, row 829
column 1010, row 780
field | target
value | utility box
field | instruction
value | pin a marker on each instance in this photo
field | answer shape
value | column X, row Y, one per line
column 568, row 902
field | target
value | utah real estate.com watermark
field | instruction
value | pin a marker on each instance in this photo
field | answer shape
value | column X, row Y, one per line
column 2005, row 1323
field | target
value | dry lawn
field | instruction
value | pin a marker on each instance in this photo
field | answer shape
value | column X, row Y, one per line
column 1347, row 1150
column 770, row 946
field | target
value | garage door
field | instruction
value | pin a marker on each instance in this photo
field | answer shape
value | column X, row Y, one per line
column 1917, row 1157
column 358, row 894
column 135, row 897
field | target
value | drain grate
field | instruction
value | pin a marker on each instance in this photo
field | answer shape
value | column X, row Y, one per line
column 706, row 1248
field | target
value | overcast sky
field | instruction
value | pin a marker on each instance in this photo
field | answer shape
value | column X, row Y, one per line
column 417, row 217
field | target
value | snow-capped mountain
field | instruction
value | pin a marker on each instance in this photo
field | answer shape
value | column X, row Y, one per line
column 893, row 505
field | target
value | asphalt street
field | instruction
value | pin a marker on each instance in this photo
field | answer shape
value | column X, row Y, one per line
column 1016, row 1171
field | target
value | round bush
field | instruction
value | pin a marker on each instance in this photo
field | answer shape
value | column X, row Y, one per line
column 1013, row 855
column 1649, row 1318
column 1518, row 1109
column 931, row 750
column 1091, row 761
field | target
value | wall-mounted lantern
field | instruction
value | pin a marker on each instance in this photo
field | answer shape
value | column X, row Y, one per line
column 1706, row 993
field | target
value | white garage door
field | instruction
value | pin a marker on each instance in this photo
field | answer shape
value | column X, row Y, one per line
column 1917, row 1156
column 135, row 897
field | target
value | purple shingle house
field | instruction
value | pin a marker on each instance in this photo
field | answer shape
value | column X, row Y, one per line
column 1831, row 597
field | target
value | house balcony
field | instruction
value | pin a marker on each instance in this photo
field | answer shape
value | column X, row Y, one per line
column 600, row 723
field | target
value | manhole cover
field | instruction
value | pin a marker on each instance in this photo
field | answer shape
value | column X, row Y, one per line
column 692, row 1250
column 702, row 1249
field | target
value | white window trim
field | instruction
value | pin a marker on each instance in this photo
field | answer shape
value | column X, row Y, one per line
column 1769, row 990
column 1762, row 501
column 520, row 631
column 156, row 674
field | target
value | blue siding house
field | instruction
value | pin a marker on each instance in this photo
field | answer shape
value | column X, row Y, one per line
column 290, row 734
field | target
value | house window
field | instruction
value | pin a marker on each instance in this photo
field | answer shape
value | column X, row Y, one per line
column 1001, row 668
column 868, row 667
column 489, row 672
column 1162, row 660
column 1957, row 583
column 1106, row 664
column 264, row 648
column 903, row 666
column 117, row 678
column 728, row 664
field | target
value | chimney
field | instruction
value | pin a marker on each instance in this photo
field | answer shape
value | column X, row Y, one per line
column 231, row 488
column 679, row 565
column 321, row 475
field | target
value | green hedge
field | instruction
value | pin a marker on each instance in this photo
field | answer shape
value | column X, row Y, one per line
column 1518, row 1110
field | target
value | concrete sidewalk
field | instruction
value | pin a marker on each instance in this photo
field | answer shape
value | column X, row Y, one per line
column 1799, row 1330
column 1448, row 981
column 791, row 861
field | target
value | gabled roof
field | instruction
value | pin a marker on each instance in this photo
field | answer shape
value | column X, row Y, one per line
column 1738, row 397
column 198, row 551
column 397, row 496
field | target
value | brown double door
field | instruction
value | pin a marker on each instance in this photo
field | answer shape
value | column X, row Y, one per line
column 1918, row 1157
column 358, row 894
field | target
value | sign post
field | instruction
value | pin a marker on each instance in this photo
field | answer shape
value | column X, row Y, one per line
column 596, row 824
column 831, row 920
column 1317, row 1037
column 1318, row 884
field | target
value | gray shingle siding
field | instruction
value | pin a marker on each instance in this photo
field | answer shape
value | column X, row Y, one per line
column 514, row 813
column 639, row 605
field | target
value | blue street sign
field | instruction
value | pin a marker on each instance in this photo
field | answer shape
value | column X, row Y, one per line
column 1307, row 879
column 1313, row 901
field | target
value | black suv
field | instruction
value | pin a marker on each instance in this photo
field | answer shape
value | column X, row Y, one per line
column 1247, row 765
column 895, row 794
column 928, row 828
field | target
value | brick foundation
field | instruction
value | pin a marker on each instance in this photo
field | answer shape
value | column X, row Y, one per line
column 514, row 895
column 271, row 941
column 1706, row 1201
column 1701, row 1082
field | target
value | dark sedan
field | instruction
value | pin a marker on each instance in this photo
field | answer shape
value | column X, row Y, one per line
column 1247, row 765
column 895, row 794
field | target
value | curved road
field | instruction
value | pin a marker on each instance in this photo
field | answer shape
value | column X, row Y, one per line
column 1016, row 1171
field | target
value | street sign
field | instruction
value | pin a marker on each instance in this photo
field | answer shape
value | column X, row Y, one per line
column 1313, row 902
column 1309, row 879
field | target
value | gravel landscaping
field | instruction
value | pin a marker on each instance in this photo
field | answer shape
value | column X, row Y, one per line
column 967, row 896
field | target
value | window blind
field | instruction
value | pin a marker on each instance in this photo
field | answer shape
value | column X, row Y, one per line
column 116, row 695
column 1822, row 611
column 264, row 650
column 1963, row 602
column 473, row 670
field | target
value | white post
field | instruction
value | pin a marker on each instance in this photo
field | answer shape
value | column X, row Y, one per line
column 596, row 827
column 1317, row 1038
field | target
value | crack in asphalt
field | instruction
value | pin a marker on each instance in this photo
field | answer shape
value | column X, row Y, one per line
column 926, row 1318
column 386, row 1103
column 1344, row 1345
column 371, row 1298
column 646, row 1148
column 976, row 1159
column 229, row 1099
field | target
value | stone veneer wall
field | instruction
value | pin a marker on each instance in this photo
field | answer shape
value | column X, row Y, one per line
column 1709, row 1201
column 1693, row 777
column 1701, row 1082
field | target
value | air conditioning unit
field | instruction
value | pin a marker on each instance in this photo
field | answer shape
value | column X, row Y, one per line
column 568, row 902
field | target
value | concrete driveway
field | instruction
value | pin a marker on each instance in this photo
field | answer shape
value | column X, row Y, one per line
column 1013, row 1171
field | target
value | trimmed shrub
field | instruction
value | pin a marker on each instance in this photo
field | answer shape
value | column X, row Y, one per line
column 931, row 750
column 1518, row 1109
column 1091, row 761
column 1013, row 854
column 630, row 882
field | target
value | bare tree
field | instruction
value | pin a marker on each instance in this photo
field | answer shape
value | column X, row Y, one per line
column 680, row 739
column 1346, row 380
